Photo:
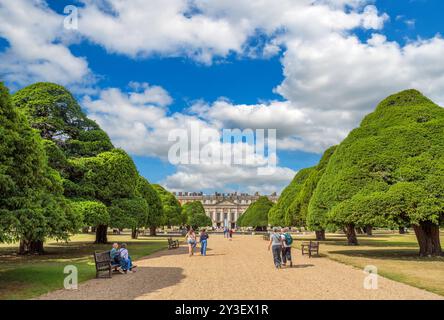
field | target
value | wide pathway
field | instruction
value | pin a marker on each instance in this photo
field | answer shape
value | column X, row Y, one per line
column 238, row 269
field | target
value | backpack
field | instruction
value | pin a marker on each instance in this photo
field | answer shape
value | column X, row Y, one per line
column 288, row 239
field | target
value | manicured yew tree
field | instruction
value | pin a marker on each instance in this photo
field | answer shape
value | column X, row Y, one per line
column 297, row 212
column 278, row 214
column 194, row 213
column 200, row 220
column 155, row 215
column 107, row 177
column 389, row 171
column 52, row 110
column 239, row 220
column 129, row 213
column 32, row 206
column 256, row 215
column 93, row 213
column 171, row 207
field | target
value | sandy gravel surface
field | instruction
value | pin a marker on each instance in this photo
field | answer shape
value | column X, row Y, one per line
column 238, row 269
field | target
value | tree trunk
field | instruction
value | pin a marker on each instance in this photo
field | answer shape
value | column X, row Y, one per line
column 102, row 234
column 31, row 247
column 94, row 229
column 351, row 235
column 401, row 230
column 152, row 231
column 369, row 230
column 427, row 234
column 134, row 233
column 320, row 235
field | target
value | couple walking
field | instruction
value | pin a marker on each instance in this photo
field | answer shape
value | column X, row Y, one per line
column 192, row 241
column 280, row 244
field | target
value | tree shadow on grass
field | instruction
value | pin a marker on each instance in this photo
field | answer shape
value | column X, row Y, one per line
column 387, row 254
column 77, row 251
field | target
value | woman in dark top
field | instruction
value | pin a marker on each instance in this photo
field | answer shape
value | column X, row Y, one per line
column 203, row 242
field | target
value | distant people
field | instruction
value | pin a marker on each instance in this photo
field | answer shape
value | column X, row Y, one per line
column 287, row 241
column 203, row 238
column 115, row 254
column 276, row 246
column 230, row 234
column 191, row 240
column 225, row 232
column 125, row 260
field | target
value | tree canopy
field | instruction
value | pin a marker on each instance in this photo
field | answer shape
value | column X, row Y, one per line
column 32, row 206
column 92, row 170
column 155, row 214
column 389, row 171
column 52, row 110
column 171, row 206
column 194, row 214
column 278, row 215
column 256, row 215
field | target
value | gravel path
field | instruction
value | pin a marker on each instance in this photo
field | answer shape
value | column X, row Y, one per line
column 238, row 269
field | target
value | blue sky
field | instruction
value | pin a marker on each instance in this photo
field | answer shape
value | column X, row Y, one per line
column 243, row 79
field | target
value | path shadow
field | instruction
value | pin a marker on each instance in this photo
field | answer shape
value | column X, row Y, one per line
column 142, row 282
column 299, row 266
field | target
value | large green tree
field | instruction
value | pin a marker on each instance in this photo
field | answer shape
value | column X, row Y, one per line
column 171, row 207
column 194, row 214
column 108, row 177
column 278, row 215
column 256, row 215
column 389, row 171
column 155, row 216
column 129, row 213
column 32, row 206
column 52, row 110
column 297, row 212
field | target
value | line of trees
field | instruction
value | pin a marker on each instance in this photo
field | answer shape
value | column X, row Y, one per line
column 389, row 172
column 59, row 172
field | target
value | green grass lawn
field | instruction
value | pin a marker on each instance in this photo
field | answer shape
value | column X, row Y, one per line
column 395, row 256
column 23, row 277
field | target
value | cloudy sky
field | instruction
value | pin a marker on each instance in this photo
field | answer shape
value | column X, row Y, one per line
column 311, row 69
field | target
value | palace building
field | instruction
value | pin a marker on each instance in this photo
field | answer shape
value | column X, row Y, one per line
column 223, row 208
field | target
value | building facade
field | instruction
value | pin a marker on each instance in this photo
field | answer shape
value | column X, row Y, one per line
column 223, row 209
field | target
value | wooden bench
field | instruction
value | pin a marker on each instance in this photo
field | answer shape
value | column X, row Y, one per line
column 172, row 244
column 104, row 264
column 310, row 248
column 266, row 236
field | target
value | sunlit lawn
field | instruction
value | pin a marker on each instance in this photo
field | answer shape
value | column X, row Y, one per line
column 395, row 256
column 23, row 277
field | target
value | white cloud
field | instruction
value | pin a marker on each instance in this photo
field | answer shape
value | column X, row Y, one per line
column 142, row 127
column 36, row 50
column 332, row 78
column 211, row 177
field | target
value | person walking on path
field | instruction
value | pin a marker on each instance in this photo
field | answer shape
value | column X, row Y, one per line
column 230, row 234
column 287, row 241
column 276, row 246
column 191, row 240
column 203, row 237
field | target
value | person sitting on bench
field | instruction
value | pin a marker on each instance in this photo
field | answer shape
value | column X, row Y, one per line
column 125, row 260
column 115, row 254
